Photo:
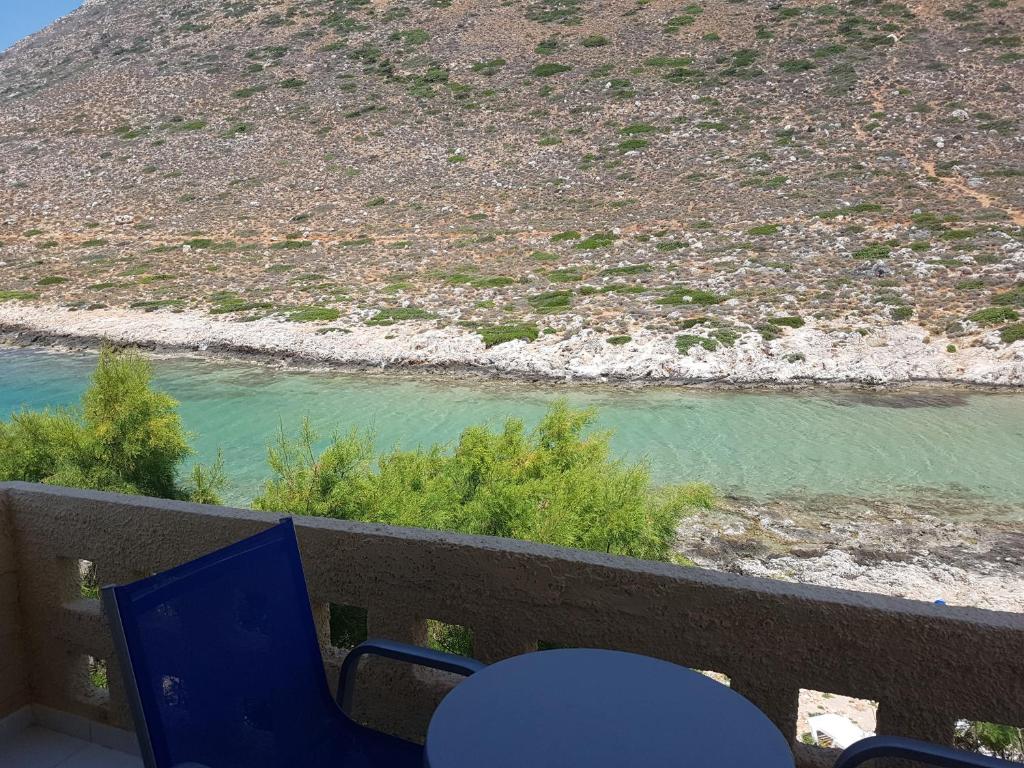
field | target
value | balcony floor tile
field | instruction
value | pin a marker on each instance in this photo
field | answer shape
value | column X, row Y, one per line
column 37, row 747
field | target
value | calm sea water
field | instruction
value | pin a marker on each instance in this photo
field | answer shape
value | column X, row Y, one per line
column 754, row 444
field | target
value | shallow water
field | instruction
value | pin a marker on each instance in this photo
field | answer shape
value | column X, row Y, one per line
column 758, row 444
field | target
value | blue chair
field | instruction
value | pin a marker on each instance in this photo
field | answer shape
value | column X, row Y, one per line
column 924, row 752
column 223, row 668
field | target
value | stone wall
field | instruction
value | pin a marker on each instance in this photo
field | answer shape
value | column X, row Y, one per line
column 926, row 665
column 14, row 692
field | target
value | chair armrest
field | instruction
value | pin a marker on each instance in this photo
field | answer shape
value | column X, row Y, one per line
column 414, row 654
column 918, row 751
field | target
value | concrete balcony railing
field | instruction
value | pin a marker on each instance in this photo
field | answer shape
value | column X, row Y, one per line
column 926, row 666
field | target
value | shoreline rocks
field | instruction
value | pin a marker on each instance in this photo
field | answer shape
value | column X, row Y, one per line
column 812, row 355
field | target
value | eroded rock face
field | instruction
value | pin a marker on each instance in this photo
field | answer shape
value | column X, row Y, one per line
column 575, row 167
column 903, row 549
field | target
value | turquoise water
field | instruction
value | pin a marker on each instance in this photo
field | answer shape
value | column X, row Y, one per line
column 752, row 444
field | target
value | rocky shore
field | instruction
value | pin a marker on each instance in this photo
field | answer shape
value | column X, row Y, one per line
column 814, row 354
column 901, row 549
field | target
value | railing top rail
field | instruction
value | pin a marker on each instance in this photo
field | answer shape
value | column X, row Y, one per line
column 696, row 576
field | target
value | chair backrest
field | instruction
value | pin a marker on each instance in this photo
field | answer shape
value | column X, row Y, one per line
column 221, row 659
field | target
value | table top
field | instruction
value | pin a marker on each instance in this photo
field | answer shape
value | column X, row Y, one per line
column 598, row 709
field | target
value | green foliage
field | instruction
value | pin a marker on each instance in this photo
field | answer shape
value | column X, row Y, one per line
column 598, row 240
column 796, row 65
column 313, row 314
column 794, row 321
column 632, row 145
column 555, row 11
column 686, row 341
column 1013, row 297
column 500, row 334
column 549, row 68
column 1003, row 741
column 567, row 275
column 617, row 341
column 631, row 269
column 551, row 301
column 763, row 229
column 488, row 67
column 555, row 485
column 225, row 302
column 124, row 437
column 993, row 315
column 1012, row 333
column 875, row 251
column 399, row 314
column 18, row 296
column 594, row 41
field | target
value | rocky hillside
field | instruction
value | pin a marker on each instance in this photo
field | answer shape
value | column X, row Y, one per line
column 716, row 172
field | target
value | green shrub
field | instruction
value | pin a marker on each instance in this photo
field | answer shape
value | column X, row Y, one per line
column 763, row 229
column 794, row 321
column 875, row 251
column 500, row 334
column 796, row 65
column 598, row 240
column 492, row 281
column 551, row 301
column 124, row 437
column 252, row 90
column 549, row 68
column 189, row 125
column 1003, row 741
column 51, row 280
column 570, row 234
column 18, row 296
column 398, row 315
column 901, row 313
column 1013, row 297
column 1012, row 333
column 489, row 67
column 616, row 341
column 632, row 145
column 313, row 314
column 567, row 275
column 631, row 269
column 683, row 295
column 555, row 11
column 993, row 315
column 686, row 341
column 594, row 41
column 226, row 302
column 556, row 485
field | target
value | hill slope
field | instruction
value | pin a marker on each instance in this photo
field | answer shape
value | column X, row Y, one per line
column 681, row 174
